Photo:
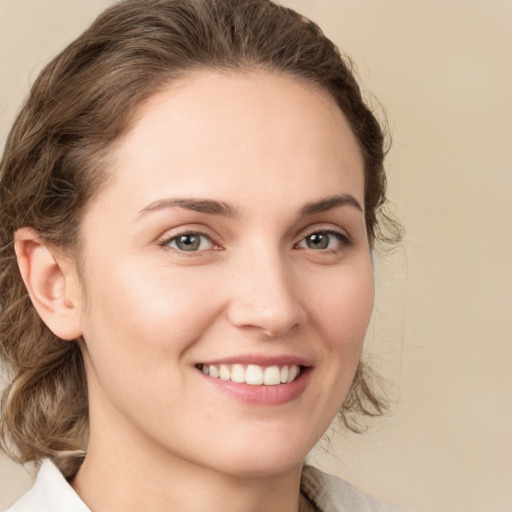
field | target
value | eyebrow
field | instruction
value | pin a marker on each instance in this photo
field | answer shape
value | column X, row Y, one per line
column 198, row 205
column 211, row 207
column 329, row 203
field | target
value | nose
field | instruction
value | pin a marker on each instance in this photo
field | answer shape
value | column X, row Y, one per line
column 265, row 297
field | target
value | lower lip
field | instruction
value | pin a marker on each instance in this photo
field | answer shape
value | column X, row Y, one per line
column 263, row 395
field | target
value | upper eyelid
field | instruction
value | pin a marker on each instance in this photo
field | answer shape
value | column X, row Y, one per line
column 342, row 238
column 186, row 233
column 172, row 233
column 303, row 233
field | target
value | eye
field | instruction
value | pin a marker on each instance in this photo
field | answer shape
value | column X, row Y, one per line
column 189, row 242
column 323, row 240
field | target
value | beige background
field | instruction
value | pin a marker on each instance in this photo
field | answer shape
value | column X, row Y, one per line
column 441, row 332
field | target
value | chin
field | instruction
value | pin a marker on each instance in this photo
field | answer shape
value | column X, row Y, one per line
column 262, row 467
column 264, row 457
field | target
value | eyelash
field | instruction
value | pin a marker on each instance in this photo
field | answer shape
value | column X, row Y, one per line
column 166, row 243
column 342, row 238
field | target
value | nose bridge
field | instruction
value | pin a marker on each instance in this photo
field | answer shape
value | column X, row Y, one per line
column 264, row 295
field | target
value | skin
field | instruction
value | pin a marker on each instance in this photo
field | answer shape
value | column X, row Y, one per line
column 162, row 437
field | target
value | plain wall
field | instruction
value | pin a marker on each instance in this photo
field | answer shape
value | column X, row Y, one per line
column 441, row 331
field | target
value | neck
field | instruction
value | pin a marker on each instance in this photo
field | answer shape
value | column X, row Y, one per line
column 136, row 478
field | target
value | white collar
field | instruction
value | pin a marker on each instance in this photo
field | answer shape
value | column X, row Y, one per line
column 50, row 493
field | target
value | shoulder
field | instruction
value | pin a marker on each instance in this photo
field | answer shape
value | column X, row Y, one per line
column 50, row 493
column 331, row 494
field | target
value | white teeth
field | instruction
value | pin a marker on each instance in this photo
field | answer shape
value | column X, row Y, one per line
column 224, row 372
column 272, row 376
column 292, row 374
column 238, row 373
column 253, row 374
column 213, row 371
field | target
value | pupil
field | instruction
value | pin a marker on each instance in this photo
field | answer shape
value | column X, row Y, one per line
column 188, row 242
column 318, row 241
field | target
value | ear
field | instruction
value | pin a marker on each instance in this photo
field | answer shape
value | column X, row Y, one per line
column 52, row 283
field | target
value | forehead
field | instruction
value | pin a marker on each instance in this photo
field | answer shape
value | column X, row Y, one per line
column 245, row 130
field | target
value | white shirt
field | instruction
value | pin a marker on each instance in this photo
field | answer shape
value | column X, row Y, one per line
column 52, row 493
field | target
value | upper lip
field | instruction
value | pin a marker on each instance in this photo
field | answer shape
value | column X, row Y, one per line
column 260, row 360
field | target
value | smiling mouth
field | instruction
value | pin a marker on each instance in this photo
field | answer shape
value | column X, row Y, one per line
column 252, row 374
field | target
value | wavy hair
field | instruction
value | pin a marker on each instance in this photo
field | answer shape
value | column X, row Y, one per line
column 55, row 158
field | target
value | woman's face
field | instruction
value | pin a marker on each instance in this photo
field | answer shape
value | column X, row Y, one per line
column 229, row 246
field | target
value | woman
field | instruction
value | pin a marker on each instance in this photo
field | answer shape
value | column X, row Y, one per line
column 189, row 203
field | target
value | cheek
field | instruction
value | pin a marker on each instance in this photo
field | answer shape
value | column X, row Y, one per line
column 342, row 307
column 143, row 327
column 139, row 327
column 153, row 307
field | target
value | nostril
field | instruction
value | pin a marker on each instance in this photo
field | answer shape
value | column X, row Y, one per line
column 272, row 320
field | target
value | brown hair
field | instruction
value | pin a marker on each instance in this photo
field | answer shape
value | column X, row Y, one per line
column 54, row 163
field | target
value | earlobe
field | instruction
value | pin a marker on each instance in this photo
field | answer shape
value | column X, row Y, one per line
column 51, row 282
